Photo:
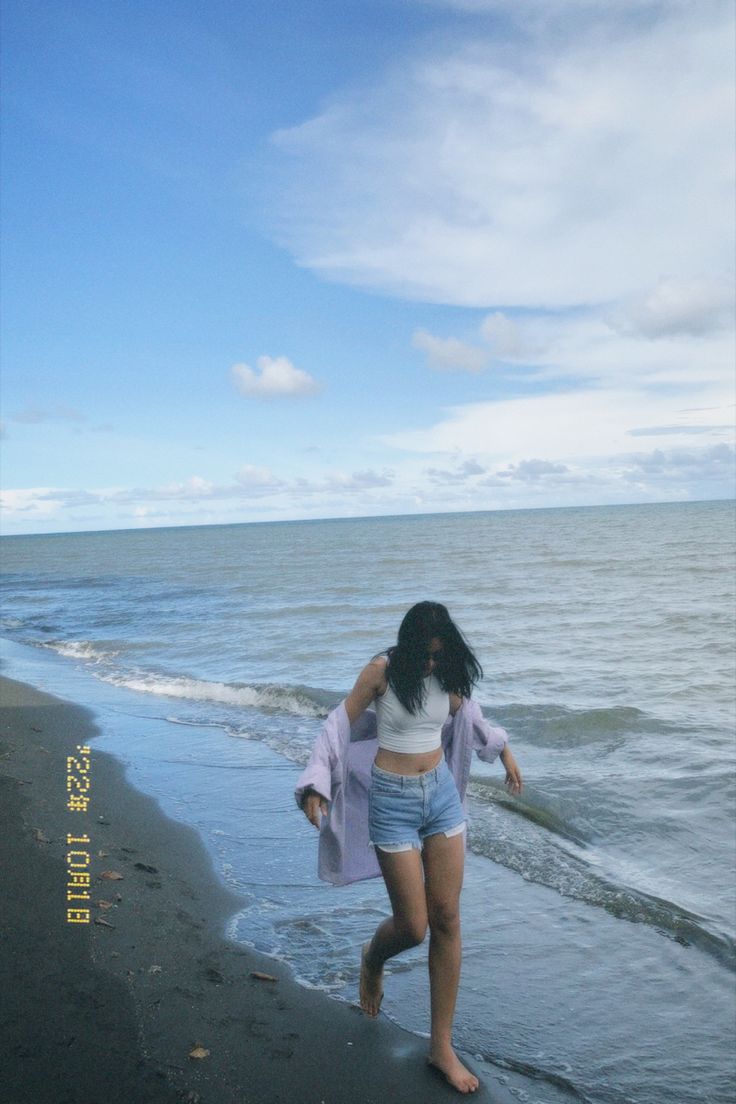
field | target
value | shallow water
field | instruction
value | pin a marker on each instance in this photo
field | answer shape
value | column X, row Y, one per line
column 598, row 908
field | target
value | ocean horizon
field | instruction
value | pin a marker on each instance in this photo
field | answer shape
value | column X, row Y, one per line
column 369, row 517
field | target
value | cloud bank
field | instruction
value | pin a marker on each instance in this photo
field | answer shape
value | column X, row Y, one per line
column 578, row 161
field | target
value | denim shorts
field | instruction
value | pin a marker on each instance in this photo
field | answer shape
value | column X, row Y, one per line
column 403, row 809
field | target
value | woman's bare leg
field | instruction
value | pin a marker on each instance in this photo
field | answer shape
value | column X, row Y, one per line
column 404, row 878
column 444, row 861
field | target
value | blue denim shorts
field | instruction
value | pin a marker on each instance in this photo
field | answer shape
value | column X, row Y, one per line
column 403, row 809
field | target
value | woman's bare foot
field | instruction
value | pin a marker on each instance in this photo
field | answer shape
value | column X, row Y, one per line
column 371, row 986
column 448, row 1063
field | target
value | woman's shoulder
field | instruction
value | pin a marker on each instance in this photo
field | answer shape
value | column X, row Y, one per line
column 377, row 666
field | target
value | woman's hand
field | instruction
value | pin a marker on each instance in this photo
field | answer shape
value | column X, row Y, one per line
column 314, row 807
column 513, row 774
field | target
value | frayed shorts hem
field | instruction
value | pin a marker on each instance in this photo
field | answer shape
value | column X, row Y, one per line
column 394, row 848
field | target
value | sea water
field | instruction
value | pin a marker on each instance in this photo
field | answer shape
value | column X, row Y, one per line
column 599, row 907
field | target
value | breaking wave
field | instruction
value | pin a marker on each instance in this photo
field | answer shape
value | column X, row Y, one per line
column 269, row 697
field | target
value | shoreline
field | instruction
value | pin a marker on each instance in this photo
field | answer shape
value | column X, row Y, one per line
column 112, row 1011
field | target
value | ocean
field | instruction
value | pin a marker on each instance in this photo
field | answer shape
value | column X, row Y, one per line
column 599, row 907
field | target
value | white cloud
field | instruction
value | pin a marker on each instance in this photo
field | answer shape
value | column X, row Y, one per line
column 460, row 474
column 658, row 475
column 194, row 487
column 559, row 427
column 338, row 482
column 716, row 462
column 529, row 471
column 362, row 479
column 541, row 170
column 581, row 345
column 69, row 498
column 252, row 484
column 692, row 307
column 448, row 354
column 504, row 336
column 252, row 476
column 28, row 500
column 275, row 377
column 684, row 427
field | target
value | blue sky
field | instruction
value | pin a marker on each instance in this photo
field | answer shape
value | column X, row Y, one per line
column 287, row 260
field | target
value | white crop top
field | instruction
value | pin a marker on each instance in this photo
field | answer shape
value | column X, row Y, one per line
column 400, row 730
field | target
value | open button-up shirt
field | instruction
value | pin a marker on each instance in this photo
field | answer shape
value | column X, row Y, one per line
column 339, row 769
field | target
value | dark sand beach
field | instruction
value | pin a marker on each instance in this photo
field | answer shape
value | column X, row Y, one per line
column 108, row 1012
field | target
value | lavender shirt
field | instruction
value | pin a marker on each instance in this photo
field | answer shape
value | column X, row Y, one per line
column 339, row 768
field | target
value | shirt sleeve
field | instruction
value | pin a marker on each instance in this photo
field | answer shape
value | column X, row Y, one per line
column 489, row 740
column 317, row 774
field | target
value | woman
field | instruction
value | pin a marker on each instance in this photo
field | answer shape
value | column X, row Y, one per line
column 416, row 819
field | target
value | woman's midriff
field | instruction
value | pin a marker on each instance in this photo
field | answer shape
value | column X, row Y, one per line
column 399, row 763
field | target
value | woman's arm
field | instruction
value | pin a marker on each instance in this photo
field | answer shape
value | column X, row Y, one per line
column 513, row 774
column 491, row 740
column 370, row 683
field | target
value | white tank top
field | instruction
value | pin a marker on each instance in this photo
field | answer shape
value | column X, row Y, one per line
column 400, row 730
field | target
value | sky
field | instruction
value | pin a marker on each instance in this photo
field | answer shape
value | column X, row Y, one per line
column 269, row 261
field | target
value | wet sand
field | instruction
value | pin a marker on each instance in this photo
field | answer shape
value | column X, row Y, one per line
column 112, row 1010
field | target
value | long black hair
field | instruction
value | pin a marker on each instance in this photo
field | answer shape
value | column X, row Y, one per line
column 456, row 667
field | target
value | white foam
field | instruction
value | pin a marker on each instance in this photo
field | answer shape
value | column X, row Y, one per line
column 191, row 689
column 79, row 649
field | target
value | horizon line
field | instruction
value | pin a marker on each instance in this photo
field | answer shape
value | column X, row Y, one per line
column 362, row 517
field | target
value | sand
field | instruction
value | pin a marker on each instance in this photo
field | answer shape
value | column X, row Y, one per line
column 114, row 1009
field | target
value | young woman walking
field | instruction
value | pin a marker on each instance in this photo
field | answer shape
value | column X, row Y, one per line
column 416, row 819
